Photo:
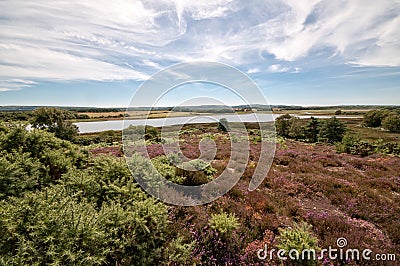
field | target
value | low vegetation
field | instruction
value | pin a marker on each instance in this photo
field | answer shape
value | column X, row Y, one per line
column 71, row 202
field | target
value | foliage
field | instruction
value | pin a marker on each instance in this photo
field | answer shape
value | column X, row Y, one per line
column 352, row 144
column 152, row 134
column 224, row 223
column 165, row 166
column 312, row 129
column 18, row 173
column 56, row 121
column 299, row 237
column 223, row 125
column 196, row 172
column 392, row 123
column 296, row 131
column 374, row 118
column 55, row 227
column 289, row 126
column 282, row 124
column 93, row 216
column 34, row 159
column 332, row 130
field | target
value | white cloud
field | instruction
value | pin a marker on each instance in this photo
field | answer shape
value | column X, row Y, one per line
column 131, row 39
column 277, row 68
column 253, row 70
column 15, row 84
column 36, row 63
column 349, row 27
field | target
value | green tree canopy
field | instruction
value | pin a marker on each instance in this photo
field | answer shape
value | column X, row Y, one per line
column 332, row 130
column 311, row 130
column 56, row 121
column 392, row 123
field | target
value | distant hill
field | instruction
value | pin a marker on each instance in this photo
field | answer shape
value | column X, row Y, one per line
column 200, row 108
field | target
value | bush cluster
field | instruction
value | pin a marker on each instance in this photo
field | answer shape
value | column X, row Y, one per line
column 387, row 119
column 330, row 130
column 60, row 207
column 353, row 144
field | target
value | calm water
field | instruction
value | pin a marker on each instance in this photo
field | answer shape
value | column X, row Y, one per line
column 87, row 127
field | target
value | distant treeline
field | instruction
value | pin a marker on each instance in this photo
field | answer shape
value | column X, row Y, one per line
column 28, row 115
column 202, row 108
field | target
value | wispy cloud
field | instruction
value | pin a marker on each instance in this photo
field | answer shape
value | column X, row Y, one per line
column 277, row 68
column 15, row 84
column 118, row 40
column 253, row 70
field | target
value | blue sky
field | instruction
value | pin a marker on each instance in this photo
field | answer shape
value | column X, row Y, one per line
column 97, row 53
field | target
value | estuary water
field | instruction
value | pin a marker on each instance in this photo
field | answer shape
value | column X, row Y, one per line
column 98, row 126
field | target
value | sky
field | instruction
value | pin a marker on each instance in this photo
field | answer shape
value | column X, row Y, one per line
column 98, row 53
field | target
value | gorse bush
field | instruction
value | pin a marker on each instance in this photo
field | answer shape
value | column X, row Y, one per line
column 61, row 207
column 352, row 144
column 392, row 123
column 299, row 238
column 55, row 227
column 389, row 120
column 224, row 223
column 196, row 172
column 56, row 121
column 33, row 160
column 374, row 118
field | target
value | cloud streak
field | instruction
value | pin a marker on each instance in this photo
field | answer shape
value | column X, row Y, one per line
column 130, row 40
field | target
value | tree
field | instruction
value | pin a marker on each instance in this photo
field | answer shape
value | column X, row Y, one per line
column 282, row 125
column 56, row 121
column 223, row 125
column 392, row 123
column 296, row 130
column 289, row 126
column 332, row 130
column 311, row 130
column 374, row 118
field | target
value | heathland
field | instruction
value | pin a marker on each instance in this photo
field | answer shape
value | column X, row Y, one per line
column 70, row 199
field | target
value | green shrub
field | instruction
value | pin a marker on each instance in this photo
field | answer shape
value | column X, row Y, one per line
column 223, row 125
column 55, row 227
column 374, row 118
column 299, row 238
column 282, row 125
column 392, row 123
column 332, row 130
column 56, row 121
column 224, row 223
column 352, row 144
column 34, row 159
column 311, row 130
column 348, row 142
column 196, row 172
column 167, row 169
column 19, row 173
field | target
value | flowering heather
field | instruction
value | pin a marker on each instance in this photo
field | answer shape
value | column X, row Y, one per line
column 115, row 151
column 341, row 195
